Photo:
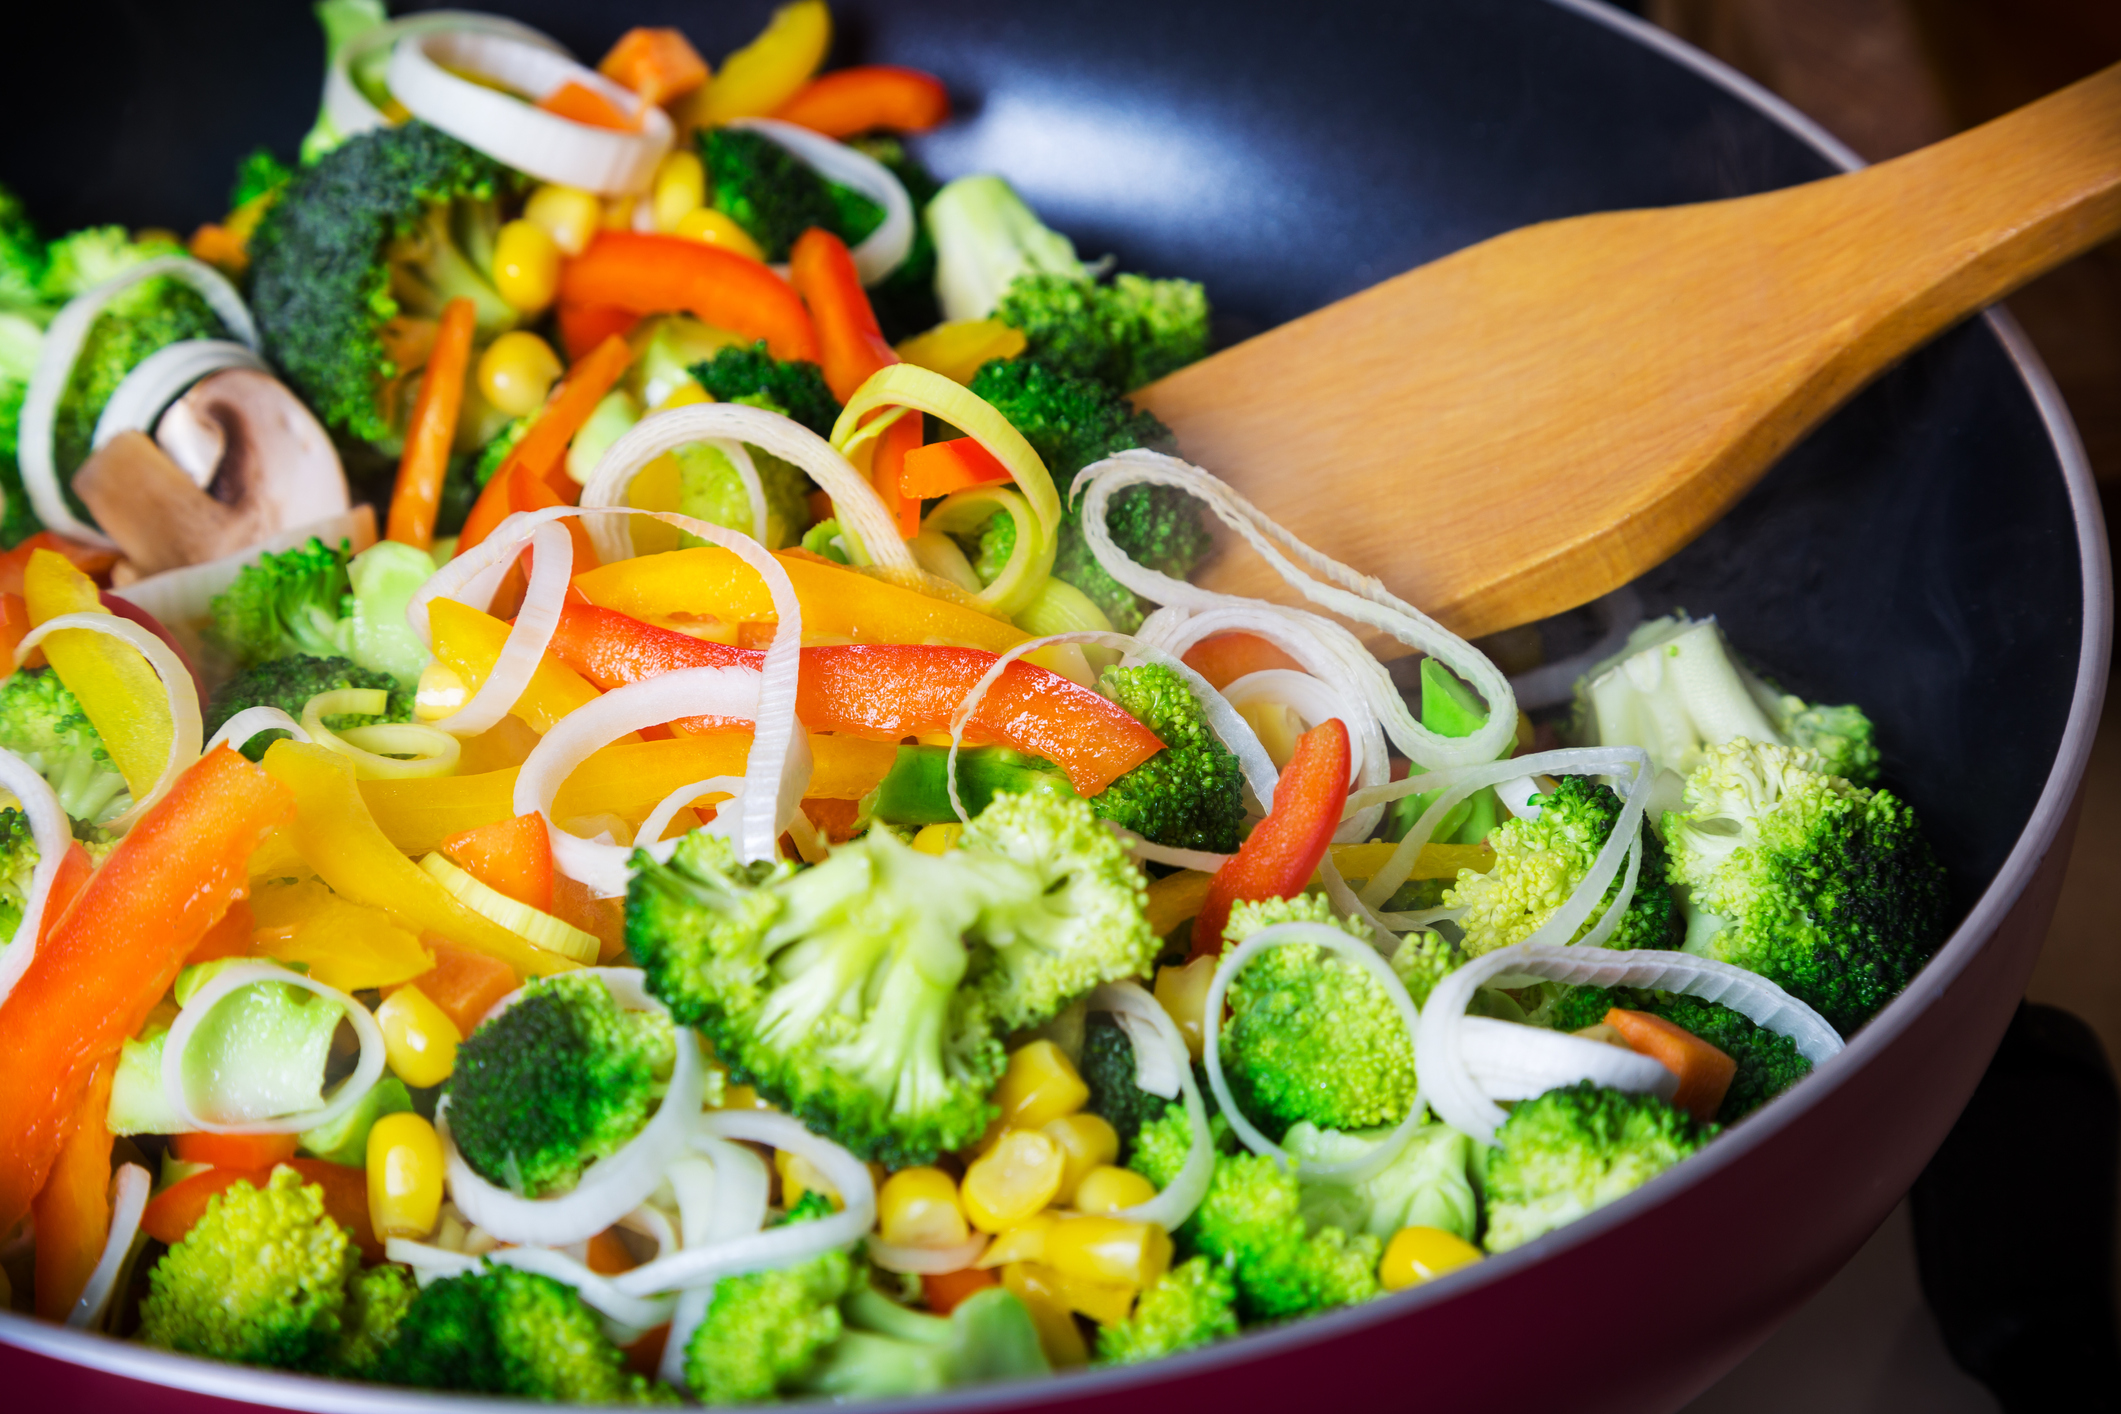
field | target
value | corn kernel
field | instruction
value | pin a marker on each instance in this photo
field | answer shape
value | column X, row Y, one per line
column 1106, row 1189
column 718, row 228
column 937, row 839
column 680, row 189
column 404, row 1176
column 1086, row 1140
column 1057, row 1334
column 419, row 1039
column 919, row 1208
column 1039, row 1086
column 517, row 371
column 568, row 214
column 1419, row 1254
column 684, row 395
column 800, row 1176
column 1026, row 1242
column 619, row 213
column 1183, row 994
column 742, row 1097
column 1116, row 1251
column 526, row 266
column 1011, row 1181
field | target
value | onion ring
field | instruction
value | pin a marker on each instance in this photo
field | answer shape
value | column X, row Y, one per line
column 54, row 835
column 882, row 250
column 226, row 983
column 1137, row 1012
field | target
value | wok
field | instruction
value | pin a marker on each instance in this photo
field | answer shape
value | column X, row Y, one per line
column 1934, row 551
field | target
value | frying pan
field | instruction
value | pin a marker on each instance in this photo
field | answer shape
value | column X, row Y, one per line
column 1934, row 551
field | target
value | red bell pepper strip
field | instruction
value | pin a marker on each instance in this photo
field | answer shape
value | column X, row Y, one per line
column 1281, row 854
column 651, row 274
column 234, row 1151
column 1223, row 658
column 850, row 101
column 942, row 467
column 850, row 342
column 96, row 564
column 584, row 326
column 72, row 1212
column 418, row 491
column 108, row 961
column 172, row 1212
column 512, row 856
column 544, row 445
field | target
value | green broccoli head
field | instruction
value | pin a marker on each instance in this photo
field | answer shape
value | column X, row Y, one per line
column 22, row 257
column 1108, row 1068
column 1190, row 795
column 1842, row 737
column 498, row 1330
column 1768, row 1062
column 260, row 1279
column 776, row 196
column 1576, row 1149
column 710, row 489
column 1421, row 961
column 377, row 1299
column 765, row 1330
column 77, row 262
column 389, row 226
column 18, row 860
column 18, row 518
column 258, row 174
column 288, row 684
column 42, row 722
column 1124, row 334
column 1828, row 890
column 562, row 1078
column 1539, row 863
column 1195, row 1303
column 284, row 603
column 1428, row 1183
column 792, row 387
column 139, row 321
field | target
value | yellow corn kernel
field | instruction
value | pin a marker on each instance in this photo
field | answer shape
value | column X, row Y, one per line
column 1026, row 1242
column 1419, row 1254
column 680, row 189
column 526, row 265
column 517, row 371
column 1039, row 1086
column 568, row 214
column 937, row 839
column 1086, row 1141
column 1107, row 1303
column 1183, row 994
column 404, row 1176
column 1057, row 1333
column 719, row 228
column 919, row 1208
column 1112, row 1250
column 1011, row 1181
column 800, row 1176
column 742, row 1097
column 419, row 1039
column 1107, row 1189
column 684, row 395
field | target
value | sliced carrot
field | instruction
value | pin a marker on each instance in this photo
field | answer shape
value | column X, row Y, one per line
column 1223, row 658
column 573, row 902
column 234, row 1151
column 942, row 467
column 942, row 1293
column 464, row 984
column 418, row 493
column 544, row 445
column 658, row 64
column 645, row 1356
column 228, row 938
column 512, row 856
column 1704, row 1071
column 855, row 100
column 888, row 472
column 607, row 1255
column 579, row 103
column 176, row 1209
column 73, row 1210
column 67, row 884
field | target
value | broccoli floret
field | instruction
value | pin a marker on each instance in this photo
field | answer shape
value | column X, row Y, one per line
column 1124, row 334
column 710, row 489
column 81, row 260
column 1251, row 1224
column 18, row 860
column 383, row 231
column 776, row 196
column 377, row 1299
column 764, row 1330
column 288, row 683
column 1768, row 1062
column 904, row 300
column 498, row 1330
column 258, row 174
column 1283, row 1063
column 22, row 258
column 139, row 321
column 496, row 451
column 562, row 1078
column 1822, row 887
column 1195, row 1303
column 792, row 387
column 284, row 603
column 260, row 1279
column 42, row 722
column 1420, row 962
column 1574, row 1150
column 1429, row 1183
column 18, row 518
column 866, row 994
column 1190, row 795
column 1108, row 1069
column 1539, row 863
column 1842, row 737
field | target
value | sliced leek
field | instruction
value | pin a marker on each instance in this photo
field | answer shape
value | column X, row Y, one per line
column 543, row 929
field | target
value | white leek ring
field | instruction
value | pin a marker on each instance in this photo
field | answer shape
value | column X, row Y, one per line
column 54, row 835
column 666, row 809
column 434, row 753
column 884, row 249
column 236, row 732
column 367, row 1071
column 528, row 637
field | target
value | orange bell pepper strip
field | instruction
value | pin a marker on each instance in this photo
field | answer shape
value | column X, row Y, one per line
column 512, row 856
column 1281, row 854
column 72, row 1212
column 584, row 326
column 887, row 472
column 652, row 274
column 465, row 984
column 527, row 491
column 91, row 561
column 579, row 103
column 234, row 1151
column 1223, row 658
column 14, row 625
column 228, row 938
column 544, row 445
column 942, row 467
column 1705, row 1071
column 850, row 343
column 171, row 1213
column 849, row 101
column 119, row 692
column 469, row 643
column 105, row 964
column 658, row 64
column 418, row 492
column 335, row 834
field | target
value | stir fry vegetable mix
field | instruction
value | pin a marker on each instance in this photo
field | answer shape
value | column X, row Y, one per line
column 766, row 882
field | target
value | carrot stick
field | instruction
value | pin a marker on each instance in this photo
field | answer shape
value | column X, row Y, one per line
column 110, row 959
column 1704, row 1071
column 850, row 101
column 545, row 444
column 887, row 470
column 658, row 64
column 73, row 1210
column 579, row 103
column 512, row 856
column 234, row 1151
column 528, row 491
column 434, row 426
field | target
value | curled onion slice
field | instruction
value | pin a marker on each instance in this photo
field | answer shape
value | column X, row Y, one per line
column 236, row 732
column 429, row 1262
column 177, row 686
column 729, row 1205
column 129, row 1190
column 882, row 250
column 528, row 637
column 1142, row 1017
column 225, row 983
column 161, row 378
column 1313, row 700
column 517, row 134
column 433, row 752
column 926, row 1261
column 1371, row 1160
column 667, row 808
column 779, row 1246
column 1511, row 1061
column 612, row 1186
column 55, row 368
column 1155, row 853
column 54, row 835
column 347, row 109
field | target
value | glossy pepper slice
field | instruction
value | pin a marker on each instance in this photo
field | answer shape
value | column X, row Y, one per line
column 118, row 690
column 1281, row 854
column 650, row 274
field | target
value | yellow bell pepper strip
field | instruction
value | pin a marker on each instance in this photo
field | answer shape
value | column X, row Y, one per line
column 118, row 690
column 840, row 605
column 959, row 349
column 773, row 68
column 469, row 643
column 100, row 970
column 1436, row 861
column 343, row 944
column 340, row 839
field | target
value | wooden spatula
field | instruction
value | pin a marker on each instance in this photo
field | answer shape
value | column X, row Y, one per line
column 1526, row 424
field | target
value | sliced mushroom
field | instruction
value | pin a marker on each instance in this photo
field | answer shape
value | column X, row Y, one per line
column 239, row 459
